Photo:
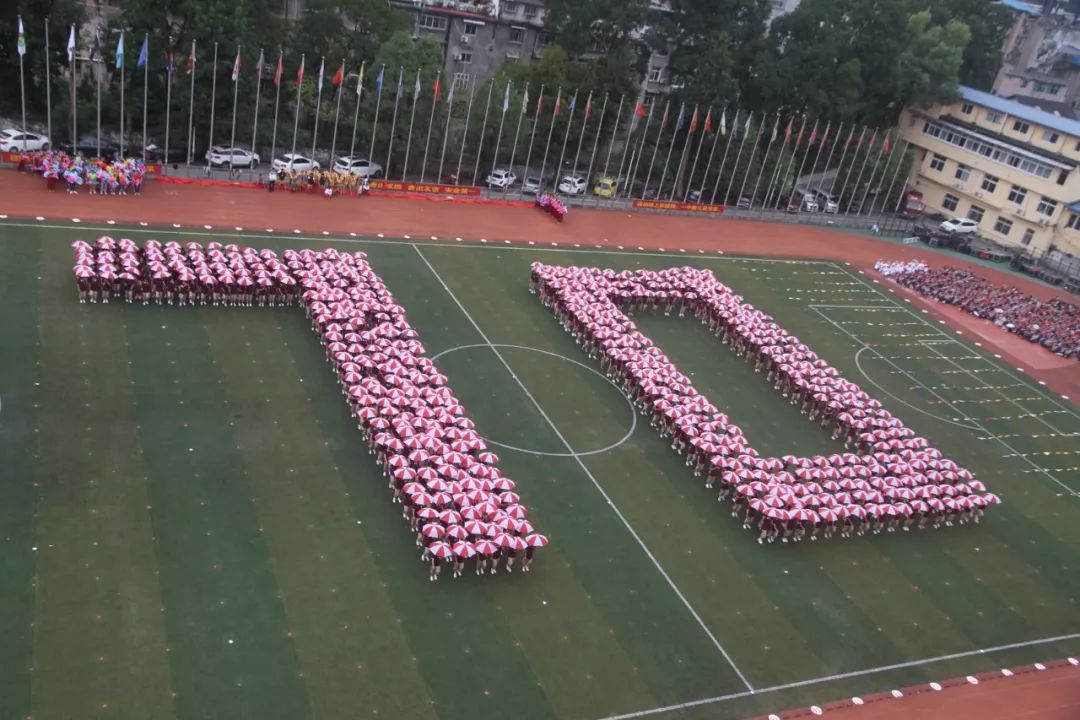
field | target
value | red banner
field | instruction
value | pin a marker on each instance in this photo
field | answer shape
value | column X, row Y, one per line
column 425, row 188
column 682, row 207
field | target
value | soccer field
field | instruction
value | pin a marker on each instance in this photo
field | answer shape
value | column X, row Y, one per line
column 192, row 526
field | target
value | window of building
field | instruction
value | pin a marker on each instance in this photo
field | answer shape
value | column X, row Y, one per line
column 1050, row 136
column 976, row 213
column 967, row 108
column 1047, row 207
column 517, row 35
column 656, row 75
column 509, row 6
column 950, row 202
column 432, row 22
column 998, row 152
column 1003, row 226
column 465, row 57
column 462, row 80
column 993, row 117
column 1017, row 195
column 1021, row 127
column 963, row 172
column 989, row 183
column 1029, row 235
column 937, row 162
column 1048, row 88
column 530, row 11
column 1074, row 222
column 470, row 28
column 1062, row 177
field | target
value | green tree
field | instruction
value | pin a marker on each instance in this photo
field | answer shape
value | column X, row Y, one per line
column 989, row 23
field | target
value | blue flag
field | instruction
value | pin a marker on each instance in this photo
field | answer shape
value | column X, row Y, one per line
column 120, row 52
column 682, row 118
column 379, row 80
column 572, row 105
column 144, row 54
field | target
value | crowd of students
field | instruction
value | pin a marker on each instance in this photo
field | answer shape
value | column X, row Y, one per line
column 892, row 480
column 1054, row 324
column 454, row 496
column 326, row 182
column 121, row 177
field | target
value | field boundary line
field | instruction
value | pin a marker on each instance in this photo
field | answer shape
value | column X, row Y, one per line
column 979, row 426
column 843, row 676
column 588, row 473
column 1026, row 381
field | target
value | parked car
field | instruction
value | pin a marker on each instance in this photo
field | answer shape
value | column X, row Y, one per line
column 530, row 185
column 87, row 145
column 959, row 226
column 694, row 196
column 236, row 157
column 829, row 204
column 156, row 153
column 501, row 179
column 572, row 185
column 296, row 163
column 744, row 203
column 12, row 140
column 358, row 166
column 809, row 204
column 606, row 187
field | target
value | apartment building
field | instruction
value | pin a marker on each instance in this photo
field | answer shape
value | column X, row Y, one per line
column 1041, row 57
column 1008, row 166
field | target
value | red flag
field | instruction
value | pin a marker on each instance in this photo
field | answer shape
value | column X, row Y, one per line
column 277, row 73
column 708, row 122
column 885, row 145
column 825, row 136
column 861, row 136
column 798, row 140
column 813, row 135
column 787, row 132
column 851, row 134
column 693, row 121
column 540, row 102
column 588, row 106
column 438, row 88
column 639, row 110
column 339, row 76
column 191, row 60
column 663, row 121
column 300, row 72
column 558, row 103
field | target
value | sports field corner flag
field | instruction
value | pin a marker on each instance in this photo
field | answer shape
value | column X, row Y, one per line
column 22, row 38
column 339, row 76
column 71, row 45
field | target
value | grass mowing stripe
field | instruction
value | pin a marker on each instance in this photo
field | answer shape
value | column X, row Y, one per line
column 99, row 632
column 20, row 351
column 215, row 574
column 352, row 655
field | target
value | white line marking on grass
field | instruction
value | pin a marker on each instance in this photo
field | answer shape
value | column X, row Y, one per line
column 843, row 676
column 588, row 473
column 594, row 371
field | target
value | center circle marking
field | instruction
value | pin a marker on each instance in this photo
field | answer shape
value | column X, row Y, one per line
column 594, row 371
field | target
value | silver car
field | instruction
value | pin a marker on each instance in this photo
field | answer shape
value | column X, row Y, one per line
column 358, row 166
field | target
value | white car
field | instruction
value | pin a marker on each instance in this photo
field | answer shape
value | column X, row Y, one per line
column 572, row 185
column 12, row 140
column 959, row 226
column 530, row 185
column 219, row 156
column 358, row 166
column 830, row 206
column 296, row 163
column 810, row 204
column 501, row 179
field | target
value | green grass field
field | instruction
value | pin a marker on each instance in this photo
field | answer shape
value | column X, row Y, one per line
column 190, row 526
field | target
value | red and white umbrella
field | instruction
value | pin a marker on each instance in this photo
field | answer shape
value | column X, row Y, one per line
column 433, row 531
column 450, row 517
column 440, row 549
column 486, row 547
column 464, row 550
column 503, row 484
column 456, row 532
column 488, row 458
column 421, row 499
column 427, row 513
column 476, row 527
column 511, row 542
column 536, row 540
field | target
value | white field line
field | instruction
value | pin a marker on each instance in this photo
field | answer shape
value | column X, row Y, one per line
column 588, row 473
column 972, row 420
column 1025, row 381
column 844, row 676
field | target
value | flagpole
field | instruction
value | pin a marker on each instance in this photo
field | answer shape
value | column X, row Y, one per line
column 777, row 167
column 547, row 145
column 862, row 169
column 532, row 135
column 566, row 138
column 517, row 131
column 697, row 156
column 502, row 121
column 213, row 99
column 431, row 122
column 781, row 171
column 191, row 109
column 446, row 130
column 393, row 122
column 802, row 164
column 628, row 147
column 596, row 141
column 258, row 92
column 145, row 97
column 750, row 161
column 828, row 158
column 22, row 81
column 738, row 156
column 854, row 162
column 821, row 147
column 235, row 94
column 840, row 165
column 356, row 113
column 790, row 164
column 682, row 157
column 72, row 67
column 614, row 133
column 483, row 129
column 337, row 112
column 896, row 175
column 764, row 163
column 318, row 107
column 375, row 125
column 277, row 103
column 465, row 136
column 723, row 160
column 712, row 154
column 121, row 68
column 296, row 119
column 635, row 162
column 97, row 76
column 412, row 117
column 584, row 126
column 652, row 160
column 671, row 147
column 168, row 105
column 873, row 172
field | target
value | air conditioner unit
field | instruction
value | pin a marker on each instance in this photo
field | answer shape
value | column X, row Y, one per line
column 1020, row 212
column 1044, row 222
column 978, row 194
column 466, row 39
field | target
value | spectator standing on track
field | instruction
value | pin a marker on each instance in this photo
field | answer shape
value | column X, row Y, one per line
column 271, row 179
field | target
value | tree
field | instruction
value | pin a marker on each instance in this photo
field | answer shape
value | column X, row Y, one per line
column 929, row 67
column 989, row 23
